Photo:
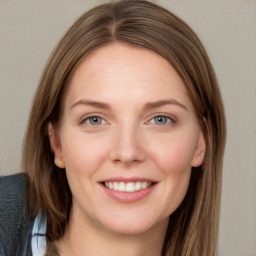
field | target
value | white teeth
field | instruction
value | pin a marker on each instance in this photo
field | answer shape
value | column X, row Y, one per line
column 144, row 184
column 121, row 186
column 116, row 186
column 129, row 186
column 138, row 185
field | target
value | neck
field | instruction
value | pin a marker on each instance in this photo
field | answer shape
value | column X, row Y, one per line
column 83, row 239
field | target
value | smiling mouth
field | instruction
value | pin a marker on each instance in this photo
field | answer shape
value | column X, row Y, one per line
column 128, row 186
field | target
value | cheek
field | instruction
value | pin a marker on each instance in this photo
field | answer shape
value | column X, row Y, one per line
column 82, row 154
column 174, row 157
column 174, row 161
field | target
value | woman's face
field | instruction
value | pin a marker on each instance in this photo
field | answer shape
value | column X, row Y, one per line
column 128, row 138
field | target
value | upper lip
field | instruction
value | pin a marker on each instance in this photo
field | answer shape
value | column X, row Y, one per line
column 128, row 179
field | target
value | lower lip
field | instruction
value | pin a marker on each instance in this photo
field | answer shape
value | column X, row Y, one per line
column 128, row 197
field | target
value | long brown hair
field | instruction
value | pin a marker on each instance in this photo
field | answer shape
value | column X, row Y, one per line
column 193, row 227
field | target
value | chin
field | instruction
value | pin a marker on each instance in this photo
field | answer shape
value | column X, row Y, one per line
column 128, row 226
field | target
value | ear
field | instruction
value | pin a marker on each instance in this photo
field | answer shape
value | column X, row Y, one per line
column 200, row 151
column 55, row 146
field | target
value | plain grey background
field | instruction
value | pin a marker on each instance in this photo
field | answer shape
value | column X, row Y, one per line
column 30, row 29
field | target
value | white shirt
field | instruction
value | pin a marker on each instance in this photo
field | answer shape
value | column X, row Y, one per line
column 38, row 242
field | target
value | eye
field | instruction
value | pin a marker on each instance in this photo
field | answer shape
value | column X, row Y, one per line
column 161, row 120
column 94, row 120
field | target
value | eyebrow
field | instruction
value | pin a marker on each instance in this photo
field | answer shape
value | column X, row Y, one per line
column 148, row 106
column 160, row 103
column 96, row 104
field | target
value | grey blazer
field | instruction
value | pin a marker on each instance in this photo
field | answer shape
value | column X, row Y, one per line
column 15, row 224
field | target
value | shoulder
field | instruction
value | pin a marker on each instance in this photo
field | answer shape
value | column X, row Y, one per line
column 14, row 223
column 12, row 185
column 12, row 199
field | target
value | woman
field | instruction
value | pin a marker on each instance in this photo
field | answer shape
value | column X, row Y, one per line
column 124, row 146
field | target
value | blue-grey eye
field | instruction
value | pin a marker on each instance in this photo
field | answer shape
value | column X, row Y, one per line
column 94, row 120
column 161, row 120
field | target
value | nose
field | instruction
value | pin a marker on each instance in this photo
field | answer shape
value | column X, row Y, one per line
column 127, row 146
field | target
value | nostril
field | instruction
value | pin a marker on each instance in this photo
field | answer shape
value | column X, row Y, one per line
column 127, row 147
column 126, row 157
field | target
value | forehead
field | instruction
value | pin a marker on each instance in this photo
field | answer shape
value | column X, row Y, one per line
column 115, row 68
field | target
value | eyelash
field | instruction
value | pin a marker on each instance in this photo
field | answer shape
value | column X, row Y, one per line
column 168, row 119
column 88, row 118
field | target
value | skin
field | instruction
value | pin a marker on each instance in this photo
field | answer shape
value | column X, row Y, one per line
column 128, row 141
